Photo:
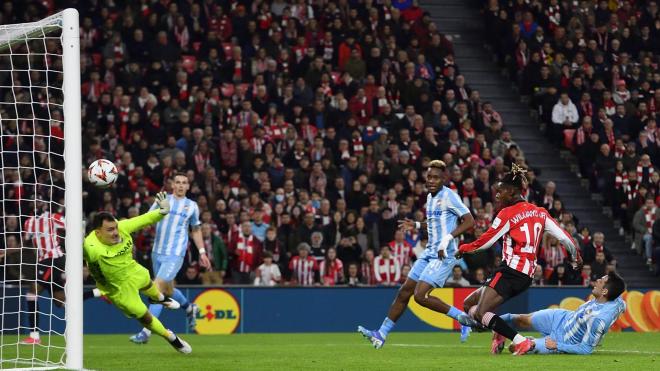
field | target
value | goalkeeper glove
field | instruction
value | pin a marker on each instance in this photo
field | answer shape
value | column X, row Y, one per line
column 163, row 203
column 445, row 241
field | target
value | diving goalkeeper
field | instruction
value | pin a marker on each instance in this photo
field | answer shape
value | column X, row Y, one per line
column 108, row 250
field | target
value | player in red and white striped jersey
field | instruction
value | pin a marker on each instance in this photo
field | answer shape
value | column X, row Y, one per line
column 521, row 226
column 304, row 268
column 45, row 230
column 386, row 268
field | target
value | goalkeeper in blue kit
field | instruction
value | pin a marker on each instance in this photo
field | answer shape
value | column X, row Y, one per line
column 575, row 332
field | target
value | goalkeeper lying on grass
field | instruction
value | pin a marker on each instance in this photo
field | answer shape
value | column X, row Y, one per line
column 108, row 250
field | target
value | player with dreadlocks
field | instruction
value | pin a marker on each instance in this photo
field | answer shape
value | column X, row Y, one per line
column 520, row 225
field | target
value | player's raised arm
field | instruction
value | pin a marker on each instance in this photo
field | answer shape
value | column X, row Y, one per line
column 500, row 226
column 133, row 224
column 564, row 238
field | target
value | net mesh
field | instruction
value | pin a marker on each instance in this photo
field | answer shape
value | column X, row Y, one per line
column 31, row 195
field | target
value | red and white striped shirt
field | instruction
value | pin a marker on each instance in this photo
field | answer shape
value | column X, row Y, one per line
column 387, row 271
column 367, row 270
column 553, row 256
column 247, row 251
column 303, row 270
column 43, row 229
column 521, row 228
column 402, row 251
column 333, row 273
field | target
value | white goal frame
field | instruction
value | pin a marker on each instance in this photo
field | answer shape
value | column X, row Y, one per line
column 68, row 21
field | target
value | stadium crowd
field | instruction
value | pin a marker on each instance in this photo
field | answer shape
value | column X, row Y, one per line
column 304, row 129
column 590, row 71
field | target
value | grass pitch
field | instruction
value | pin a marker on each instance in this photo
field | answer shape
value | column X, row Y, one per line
column 349, row 351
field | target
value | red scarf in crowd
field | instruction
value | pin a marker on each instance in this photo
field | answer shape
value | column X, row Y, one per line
column 649, row 218
column 641, row 170
column 581, row 135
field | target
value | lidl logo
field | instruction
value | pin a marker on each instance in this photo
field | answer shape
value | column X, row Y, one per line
column 219, row 312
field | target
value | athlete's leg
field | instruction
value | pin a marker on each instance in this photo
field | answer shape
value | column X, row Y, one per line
column 157, row 298
column 31, row 297
column 470, row 303
column 401, row 300
column 519, row 321
column 484, row 312
column 435, row 275
column 60, row 298
column 423, row 297
column 154, row 325
column 398, row 306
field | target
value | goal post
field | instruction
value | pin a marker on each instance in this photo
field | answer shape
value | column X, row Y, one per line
column 73, row 189
column 40, row 174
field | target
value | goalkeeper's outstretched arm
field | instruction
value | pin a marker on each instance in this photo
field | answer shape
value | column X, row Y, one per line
column 151, row 217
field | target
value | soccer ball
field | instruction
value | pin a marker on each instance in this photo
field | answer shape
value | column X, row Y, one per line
column 102, row 173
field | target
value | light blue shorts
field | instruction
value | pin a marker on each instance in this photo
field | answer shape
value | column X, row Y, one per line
column 166, row 266
column 548, row 321
column 432, row 270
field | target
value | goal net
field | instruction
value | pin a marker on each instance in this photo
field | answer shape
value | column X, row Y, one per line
column 40, row 194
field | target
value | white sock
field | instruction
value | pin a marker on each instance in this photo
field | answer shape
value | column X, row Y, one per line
column 96, row 292
column 518, row 339
column 34, row 335
column 161, row 297
column 171, row 336
column 147, row 331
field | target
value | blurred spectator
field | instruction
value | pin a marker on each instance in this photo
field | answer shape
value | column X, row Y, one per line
column 599, row 265
column 304, row 268
column 551, row 254
column 247, row 249
column 586, row 275
column 267, row 274
column 564, row 116
column 191, row 276
column 479, row 277
column 217, row 252
column 538, row 279
column 402, row 251
column 387, row 270
column 559, row 276
column 642, row 224
column 457, row 279
column 367, row 268
column 353, row 278
column 594, row 246
column 331, row 269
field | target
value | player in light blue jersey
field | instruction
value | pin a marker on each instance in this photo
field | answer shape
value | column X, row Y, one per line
column 170, row 246
column 580, row 331
column 444, row 210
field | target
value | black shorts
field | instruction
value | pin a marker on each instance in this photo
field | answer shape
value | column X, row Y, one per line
column 508, row 282
column 50, row 274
